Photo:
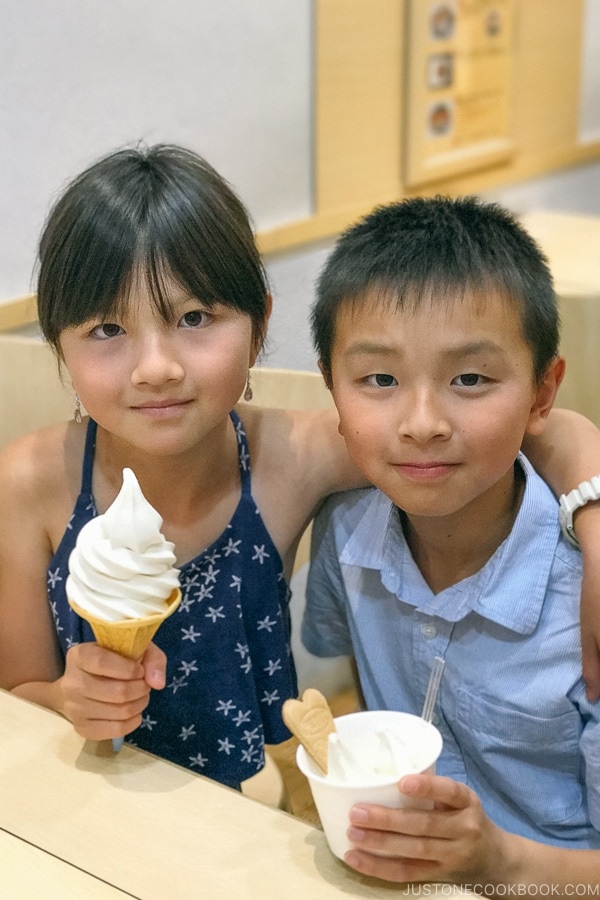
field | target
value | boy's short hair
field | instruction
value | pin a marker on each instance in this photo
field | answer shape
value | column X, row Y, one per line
column 439, row 250
column 160, row 211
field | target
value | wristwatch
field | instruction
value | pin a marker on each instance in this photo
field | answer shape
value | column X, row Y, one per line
column 575, row 499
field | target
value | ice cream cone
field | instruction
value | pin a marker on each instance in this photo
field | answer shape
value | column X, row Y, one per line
column 129, row 637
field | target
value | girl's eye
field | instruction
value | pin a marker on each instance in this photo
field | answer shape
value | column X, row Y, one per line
column 107, row 330
column 381, row 380
column 468, row 379
column 194, row 318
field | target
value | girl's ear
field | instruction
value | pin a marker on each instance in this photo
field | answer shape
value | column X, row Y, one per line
column 545, row 395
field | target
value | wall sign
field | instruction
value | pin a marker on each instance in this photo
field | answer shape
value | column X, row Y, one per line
column 459, row 86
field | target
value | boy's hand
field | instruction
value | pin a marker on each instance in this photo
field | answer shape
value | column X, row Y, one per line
column 454, row 842
column 104, row 694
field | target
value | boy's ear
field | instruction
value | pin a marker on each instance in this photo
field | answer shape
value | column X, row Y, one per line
column 545, row 395
column 326, row 375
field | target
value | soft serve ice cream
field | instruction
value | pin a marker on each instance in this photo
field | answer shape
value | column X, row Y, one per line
column 388, row 754
column 122, row 567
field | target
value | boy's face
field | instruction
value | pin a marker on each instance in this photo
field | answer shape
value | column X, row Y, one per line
column 434, row 403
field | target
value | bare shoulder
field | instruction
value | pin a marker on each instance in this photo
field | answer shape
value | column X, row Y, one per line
column 301, row 445
column 40, row 468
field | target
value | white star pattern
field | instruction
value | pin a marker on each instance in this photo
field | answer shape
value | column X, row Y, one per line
column 189, row 634
column 148, row 723
column 273, row 667
column 188, row 667
column 266, row 624
column 225, row 746
column 270, row 697
column 54, row 578
column 236, row 583
column 242, row 717
column 177, row 683
column 186, row 604
column 225, row 706
column 205, row 593
column 244, row 459
column 242, row 649
column 247, row 666
column 190, row 731
column 215, row 614
column 249, row 753
column 260, row 553
column 198, row 760
column 250, row 736
column 231, row 547
column 211, row 576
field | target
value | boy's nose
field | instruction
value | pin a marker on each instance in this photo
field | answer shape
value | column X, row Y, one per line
column 423, row 417
column 156, row 361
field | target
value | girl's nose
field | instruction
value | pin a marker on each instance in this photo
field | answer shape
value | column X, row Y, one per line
column 424, row 418
column 156, row 361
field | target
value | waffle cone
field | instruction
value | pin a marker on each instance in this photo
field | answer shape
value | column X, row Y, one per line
column 129, row 637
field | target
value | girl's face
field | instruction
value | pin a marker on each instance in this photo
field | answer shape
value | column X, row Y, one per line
column 161, row 386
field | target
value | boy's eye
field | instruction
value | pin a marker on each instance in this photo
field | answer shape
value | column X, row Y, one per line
column 468, row 379
column 382, row 380
column 194, row 318
column 107, row 330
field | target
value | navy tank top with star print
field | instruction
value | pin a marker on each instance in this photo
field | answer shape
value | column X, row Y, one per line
column 229, row 664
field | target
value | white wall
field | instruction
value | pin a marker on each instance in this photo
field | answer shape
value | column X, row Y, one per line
column 229, row 78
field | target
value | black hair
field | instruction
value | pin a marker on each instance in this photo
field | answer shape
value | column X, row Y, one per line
column 161, row 210
column 440, row 250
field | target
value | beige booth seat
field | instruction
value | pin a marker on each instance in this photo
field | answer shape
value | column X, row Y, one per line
column 572, row 245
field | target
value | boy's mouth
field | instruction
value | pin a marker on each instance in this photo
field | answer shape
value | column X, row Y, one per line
column 425, row 471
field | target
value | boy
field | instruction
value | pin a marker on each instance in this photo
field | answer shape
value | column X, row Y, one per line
column 437, row 332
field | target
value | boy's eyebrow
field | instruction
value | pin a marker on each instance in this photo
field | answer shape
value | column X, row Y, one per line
column 370, row 347
column 470, row 348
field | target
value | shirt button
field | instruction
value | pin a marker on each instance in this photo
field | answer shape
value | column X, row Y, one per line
column 428, row 631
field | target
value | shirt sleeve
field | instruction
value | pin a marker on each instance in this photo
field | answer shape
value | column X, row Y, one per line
column 325, row 630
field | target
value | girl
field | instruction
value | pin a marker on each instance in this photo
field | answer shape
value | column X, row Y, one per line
column 152, row 294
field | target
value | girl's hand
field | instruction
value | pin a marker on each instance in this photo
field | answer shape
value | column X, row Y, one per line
column 454, row 842
column 104, row 694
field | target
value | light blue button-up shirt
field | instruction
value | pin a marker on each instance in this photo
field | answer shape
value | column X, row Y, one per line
column 512, row 710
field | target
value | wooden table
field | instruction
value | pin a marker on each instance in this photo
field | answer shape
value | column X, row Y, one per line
column 85, row 822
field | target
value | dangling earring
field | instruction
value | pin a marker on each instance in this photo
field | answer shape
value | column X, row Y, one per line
column 77, row 413
column 248, row 392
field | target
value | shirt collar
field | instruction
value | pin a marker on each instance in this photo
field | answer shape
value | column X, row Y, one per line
column 508, row 590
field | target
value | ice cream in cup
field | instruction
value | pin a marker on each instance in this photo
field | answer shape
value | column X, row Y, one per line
column 369, row 752
column 122, row 578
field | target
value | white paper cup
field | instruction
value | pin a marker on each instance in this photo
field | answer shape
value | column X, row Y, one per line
column 334, row 799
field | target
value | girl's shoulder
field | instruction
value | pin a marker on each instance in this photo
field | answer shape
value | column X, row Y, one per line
column 42, row 466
